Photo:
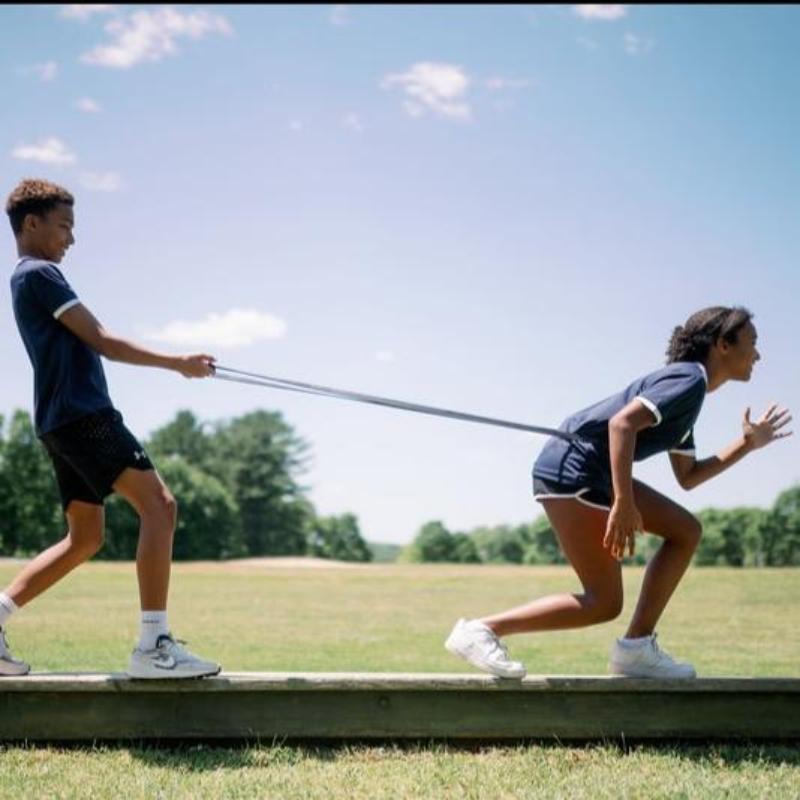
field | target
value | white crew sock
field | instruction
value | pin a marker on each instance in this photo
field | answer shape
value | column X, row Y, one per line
column 638, row 642
column 7, row 608
column 154, row 624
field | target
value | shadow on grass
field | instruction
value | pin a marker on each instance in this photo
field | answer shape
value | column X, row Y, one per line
column 223, row 755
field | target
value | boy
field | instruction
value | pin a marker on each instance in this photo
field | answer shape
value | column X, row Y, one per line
column 93, row 453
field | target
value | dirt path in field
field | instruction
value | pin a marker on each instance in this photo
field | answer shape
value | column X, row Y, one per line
column 295, row 562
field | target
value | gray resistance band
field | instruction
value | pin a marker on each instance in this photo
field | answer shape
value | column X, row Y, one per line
column 238, row 376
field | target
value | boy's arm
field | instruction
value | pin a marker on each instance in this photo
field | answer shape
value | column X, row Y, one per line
column 86, row 327
column 690, row 472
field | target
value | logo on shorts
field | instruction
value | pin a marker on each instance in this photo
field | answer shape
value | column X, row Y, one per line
column 139, row 454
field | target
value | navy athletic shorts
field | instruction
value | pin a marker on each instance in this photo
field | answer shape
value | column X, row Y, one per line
column 89, row 455
column 571, row 469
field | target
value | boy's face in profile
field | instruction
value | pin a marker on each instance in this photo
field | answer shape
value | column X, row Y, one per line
column 49, row 237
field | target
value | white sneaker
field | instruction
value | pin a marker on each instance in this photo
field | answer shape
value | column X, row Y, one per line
column 8, row 664
column 643, row 658
column 169, row 660
column 476, row 643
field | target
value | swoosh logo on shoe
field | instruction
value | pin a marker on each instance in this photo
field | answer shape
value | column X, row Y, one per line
column 168, row 662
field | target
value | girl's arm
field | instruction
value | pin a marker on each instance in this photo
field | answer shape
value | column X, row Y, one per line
column 624, row 519
column 690, row 472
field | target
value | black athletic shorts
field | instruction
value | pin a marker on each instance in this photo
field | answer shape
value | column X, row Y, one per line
column 90, row 454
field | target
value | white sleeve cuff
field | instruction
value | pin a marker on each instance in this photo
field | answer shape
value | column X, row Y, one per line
column 69, row 304
column 684, row 452
column 650, row 406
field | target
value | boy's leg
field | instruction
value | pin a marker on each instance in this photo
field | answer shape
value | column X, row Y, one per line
column 158, row 655
column 157, row 511
column 84, row 538
column 681, row 532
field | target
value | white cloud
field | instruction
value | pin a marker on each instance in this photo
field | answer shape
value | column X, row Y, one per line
column 235, row 328
column 101, row 181
column 46, row 151
column 353, row 122
column 88, row 105
column 152, row 35
column 46, row 71
column 440, row 88
column 83, row 12
column 339, row 15
column 600, row 12
column 637, row 45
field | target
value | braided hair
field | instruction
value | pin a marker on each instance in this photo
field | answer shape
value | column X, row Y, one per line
column 694, row 340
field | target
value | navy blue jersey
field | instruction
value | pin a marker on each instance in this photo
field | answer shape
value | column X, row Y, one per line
column 673, row 394
column 68, row 376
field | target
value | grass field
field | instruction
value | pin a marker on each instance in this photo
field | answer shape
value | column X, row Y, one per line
column 394, row 618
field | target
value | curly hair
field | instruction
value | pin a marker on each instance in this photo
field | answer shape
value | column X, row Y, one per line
column 694, row 340
column 34, row 196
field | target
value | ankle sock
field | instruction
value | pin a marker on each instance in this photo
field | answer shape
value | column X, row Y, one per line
column 154, row 624
column 7, row 608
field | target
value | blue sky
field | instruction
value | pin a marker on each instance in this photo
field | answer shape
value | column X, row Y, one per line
column 504, row 210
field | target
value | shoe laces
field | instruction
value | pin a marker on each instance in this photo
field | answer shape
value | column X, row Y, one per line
column 496, row 646
column 661, row 655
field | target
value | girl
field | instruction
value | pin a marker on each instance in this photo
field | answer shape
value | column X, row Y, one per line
column 596, row 507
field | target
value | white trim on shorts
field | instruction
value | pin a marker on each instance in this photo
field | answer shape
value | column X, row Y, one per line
column 576, row 496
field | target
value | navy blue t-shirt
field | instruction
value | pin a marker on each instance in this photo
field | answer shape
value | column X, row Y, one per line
column 674, row 395
column 68, row 376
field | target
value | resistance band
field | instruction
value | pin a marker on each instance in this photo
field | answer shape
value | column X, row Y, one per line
column 253, row 379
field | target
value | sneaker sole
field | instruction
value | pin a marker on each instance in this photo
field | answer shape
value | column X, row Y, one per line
column 15, row 674
column 452, row 647
column 621, row 673
column 168, row 675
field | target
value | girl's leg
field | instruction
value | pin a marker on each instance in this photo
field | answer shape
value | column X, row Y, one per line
column 580, row 530
column 681, row 533
column 84, row 538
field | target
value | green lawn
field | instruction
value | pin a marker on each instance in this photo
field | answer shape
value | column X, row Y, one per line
column 394, row 618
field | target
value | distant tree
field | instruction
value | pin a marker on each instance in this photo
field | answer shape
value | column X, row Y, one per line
column 338, row 538
column 543, row 546
column 464, row 550
column 501, row 544
column 432, row 543
column 183, row 437
column 258, row 457
column 782, row 545
column 32, row 517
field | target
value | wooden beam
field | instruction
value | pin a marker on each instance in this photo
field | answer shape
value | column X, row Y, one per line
column 337, row 706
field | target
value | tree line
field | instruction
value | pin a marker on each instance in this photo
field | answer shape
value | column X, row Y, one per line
column 236, row 483
column 736, row 537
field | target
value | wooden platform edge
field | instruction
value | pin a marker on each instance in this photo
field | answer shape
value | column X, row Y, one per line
column 387, row 706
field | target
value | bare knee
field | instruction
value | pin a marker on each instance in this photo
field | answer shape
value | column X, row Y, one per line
column 691, row 531
column 694, row 532
column 161, row 508
column 86, row 542
column 604, row 606
column 86, row 529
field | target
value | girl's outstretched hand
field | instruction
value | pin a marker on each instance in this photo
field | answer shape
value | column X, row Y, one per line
column 766, row 430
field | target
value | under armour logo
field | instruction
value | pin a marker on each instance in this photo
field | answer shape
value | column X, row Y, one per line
column 139, row 454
